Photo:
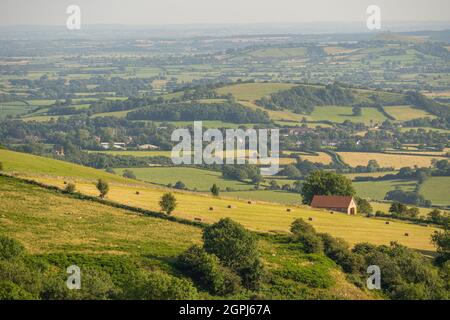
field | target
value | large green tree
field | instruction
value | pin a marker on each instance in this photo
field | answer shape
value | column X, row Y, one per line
column 326, row 183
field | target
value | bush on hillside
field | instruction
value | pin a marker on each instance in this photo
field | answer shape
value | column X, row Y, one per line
column 205, row 269
column 236, row 248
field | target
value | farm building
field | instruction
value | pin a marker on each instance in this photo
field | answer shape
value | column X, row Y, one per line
column 336, row 203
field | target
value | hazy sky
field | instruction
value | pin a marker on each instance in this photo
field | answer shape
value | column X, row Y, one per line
column 151, row 12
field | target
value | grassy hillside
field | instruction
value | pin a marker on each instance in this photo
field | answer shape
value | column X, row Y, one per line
column 264, row 217
column 62, row 230
column 27, row 163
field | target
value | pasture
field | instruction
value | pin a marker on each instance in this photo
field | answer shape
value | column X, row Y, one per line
column 340, row 114
column 376, row 190
column 253, row 91
column 193, row 178
column 405, row 113
column 437, row 189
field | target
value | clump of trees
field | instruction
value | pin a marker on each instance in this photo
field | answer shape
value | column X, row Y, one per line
column 242, row 172
column 302, row 99
column 400, row 209
column 406, row 274
column 228, row 112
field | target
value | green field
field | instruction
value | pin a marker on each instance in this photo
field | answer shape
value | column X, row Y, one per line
column 437, row 189
column 405, row 113
column 341, row 113
column 376, row 190
column 253, row 91
column 198, row 179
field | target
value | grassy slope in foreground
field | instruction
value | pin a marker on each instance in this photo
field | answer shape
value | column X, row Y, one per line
column 265, row 217
column 50, row 223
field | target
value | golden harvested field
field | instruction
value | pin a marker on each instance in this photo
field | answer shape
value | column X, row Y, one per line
column 323, row 157
column 262, row 217
column 386, row 160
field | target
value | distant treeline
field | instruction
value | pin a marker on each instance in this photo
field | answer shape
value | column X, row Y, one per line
column 227, row 112
column 302, row 99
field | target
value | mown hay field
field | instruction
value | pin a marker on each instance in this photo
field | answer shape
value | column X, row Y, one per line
column 386, row 160
column 263, row 217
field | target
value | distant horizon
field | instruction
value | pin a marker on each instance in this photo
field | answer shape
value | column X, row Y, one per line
column 206, row 12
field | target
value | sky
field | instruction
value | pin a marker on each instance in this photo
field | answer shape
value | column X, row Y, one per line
column 161, row 12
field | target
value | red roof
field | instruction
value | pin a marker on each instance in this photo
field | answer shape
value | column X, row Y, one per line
column 331, row 201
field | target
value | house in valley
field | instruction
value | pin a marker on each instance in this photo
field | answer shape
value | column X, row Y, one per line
column 344, row 204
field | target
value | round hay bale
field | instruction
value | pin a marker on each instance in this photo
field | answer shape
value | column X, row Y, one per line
column 288, row 210
column 331, row 212
column 137, row 193
column 197, row 219
column 406, row 234
column 310, row 219
column 249, row 202
column 211, row 208
column 387, row 222
column 230, row 206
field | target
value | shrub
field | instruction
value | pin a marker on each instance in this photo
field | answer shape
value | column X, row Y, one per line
column 159, row 286
column 363, row 205
column 168, row 203
column 9, row 248
column 70, row 188
column 103, row 187
column 299, row 226
column 128, row 174
column 236, row 248
column 206, row 270
column 311, row 242
column 1, row 166
column 338, row 250
column 215, row 190
column 180, row 185
column 11, row 291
